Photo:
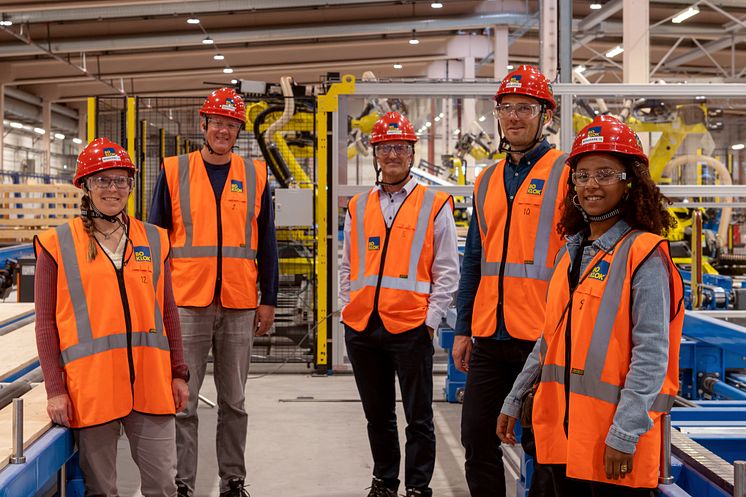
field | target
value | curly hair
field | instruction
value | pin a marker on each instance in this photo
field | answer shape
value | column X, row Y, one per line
column 643, row 208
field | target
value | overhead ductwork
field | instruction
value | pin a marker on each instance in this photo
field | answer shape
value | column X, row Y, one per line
column 26, row 107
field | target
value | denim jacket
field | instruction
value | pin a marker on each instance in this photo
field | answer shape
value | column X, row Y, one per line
column 647, row 369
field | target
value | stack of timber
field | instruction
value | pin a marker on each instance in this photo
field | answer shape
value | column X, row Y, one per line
column 27, row 209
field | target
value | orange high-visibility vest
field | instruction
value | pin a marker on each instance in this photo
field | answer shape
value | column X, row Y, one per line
column 519, row 244
column 114, row 349
column 391, row 269
column 601, row 331
column 194, row 233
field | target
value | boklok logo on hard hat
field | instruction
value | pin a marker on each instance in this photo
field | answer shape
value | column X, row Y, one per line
column 142, row 254
column 535, row 186
column 600, row 271
column 109, row 154
column 228, row 105
column 515, row 82
column 393, row 129
column 593, row 136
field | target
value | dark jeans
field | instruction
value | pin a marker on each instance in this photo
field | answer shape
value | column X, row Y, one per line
column 493, row 368
column 377, row 358
column 570, row 487
column 541, row 484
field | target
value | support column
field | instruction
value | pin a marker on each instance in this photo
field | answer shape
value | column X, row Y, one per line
column 500, row 52
column 636, row 41
column 548, row 39
column 46, row 119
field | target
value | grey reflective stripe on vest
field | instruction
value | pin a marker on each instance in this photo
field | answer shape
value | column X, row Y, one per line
column 481, row 198
column 188, row 250
column 409, row 283
column 589, row 383
column 154, row 240
column 111, row 342
column 86, row 345
column 74, row 282
column 538, row 268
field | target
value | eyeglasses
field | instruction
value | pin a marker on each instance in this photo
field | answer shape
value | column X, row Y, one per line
column 522, row 111
column 398, row 149
column 217, row 124
column 602, row 177
column 105, row 182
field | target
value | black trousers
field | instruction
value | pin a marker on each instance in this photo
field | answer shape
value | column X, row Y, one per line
column 493, row 368
column 377, row 358
column 541, row 484
column 570, row 487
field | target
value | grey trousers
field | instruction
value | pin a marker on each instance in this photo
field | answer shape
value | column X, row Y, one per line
column 229, row 333
column 152, row 444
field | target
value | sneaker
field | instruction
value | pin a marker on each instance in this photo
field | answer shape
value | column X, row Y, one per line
column 182, row 490
column 236, row 488
column 378, row 489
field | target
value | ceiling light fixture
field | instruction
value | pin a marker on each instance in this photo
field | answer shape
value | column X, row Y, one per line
column 398, row 66
column 234, row 81
column 59, row 136
column 218, row 56
column 738, row 146
column 77, row 141
column 580, row 69
column 684, row 15
column 614, row 51
column 596, row 6
column 413, row 40
column 207, row 41
column 192, row 20
column 482, row 119
column 6, row 22
column 509, row 67
column 437, row 5
column 228, row 70
column 39, row 131
column 16, row 125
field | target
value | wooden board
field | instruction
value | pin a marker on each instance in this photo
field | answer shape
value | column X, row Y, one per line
column 27, row 209
column 17, row 350
column 35, row 422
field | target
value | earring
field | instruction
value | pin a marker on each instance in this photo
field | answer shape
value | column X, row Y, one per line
column 576, row 202
column 629, row 184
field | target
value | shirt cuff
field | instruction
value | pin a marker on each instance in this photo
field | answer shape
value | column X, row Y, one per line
column 511, row 407
column 433, row 321
column 621, row 440
column 268, row 301
column 180, row 372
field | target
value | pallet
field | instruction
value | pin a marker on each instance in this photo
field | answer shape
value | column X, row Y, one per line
column 17, row 350
column 26, row 210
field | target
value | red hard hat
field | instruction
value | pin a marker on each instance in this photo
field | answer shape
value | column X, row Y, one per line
column 607, row 134
column 391, row 127
column 225, row 102
column 527, row 80
column 101, row 154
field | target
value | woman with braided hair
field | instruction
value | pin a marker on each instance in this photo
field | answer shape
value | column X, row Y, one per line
column 606, row 367
column 107, row 329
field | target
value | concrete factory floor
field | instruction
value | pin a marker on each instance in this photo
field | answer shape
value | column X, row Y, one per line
column 307, row 438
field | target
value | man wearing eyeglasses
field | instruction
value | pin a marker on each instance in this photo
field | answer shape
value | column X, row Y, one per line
column 217, row 209
column 398, row 273
column 509, row 255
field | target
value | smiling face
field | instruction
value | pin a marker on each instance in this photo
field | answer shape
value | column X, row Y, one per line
column 109, row 190
column 394, row 158
column 596, row 199
column 221, row 133
column 520, row 132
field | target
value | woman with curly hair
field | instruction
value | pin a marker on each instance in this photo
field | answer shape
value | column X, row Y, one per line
column 606, row 368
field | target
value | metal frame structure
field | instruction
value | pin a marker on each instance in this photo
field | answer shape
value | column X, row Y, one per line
column 566, row 93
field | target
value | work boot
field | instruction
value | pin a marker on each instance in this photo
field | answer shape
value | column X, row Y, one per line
column 236, row 488
column 182, row 490
column 418, row 492
column 378, row 489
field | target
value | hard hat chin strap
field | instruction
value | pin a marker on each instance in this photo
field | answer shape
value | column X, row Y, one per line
column 94, row 212
column 505, row 145
column 394, row 183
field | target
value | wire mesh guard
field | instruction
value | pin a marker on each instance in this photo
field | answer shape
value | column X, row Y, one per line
column 167, row 126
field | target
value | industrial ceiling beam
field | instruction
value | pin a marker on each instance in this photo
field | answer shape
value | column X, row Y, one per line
column 76, row 11
column 262, row 35
column 597, row 17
